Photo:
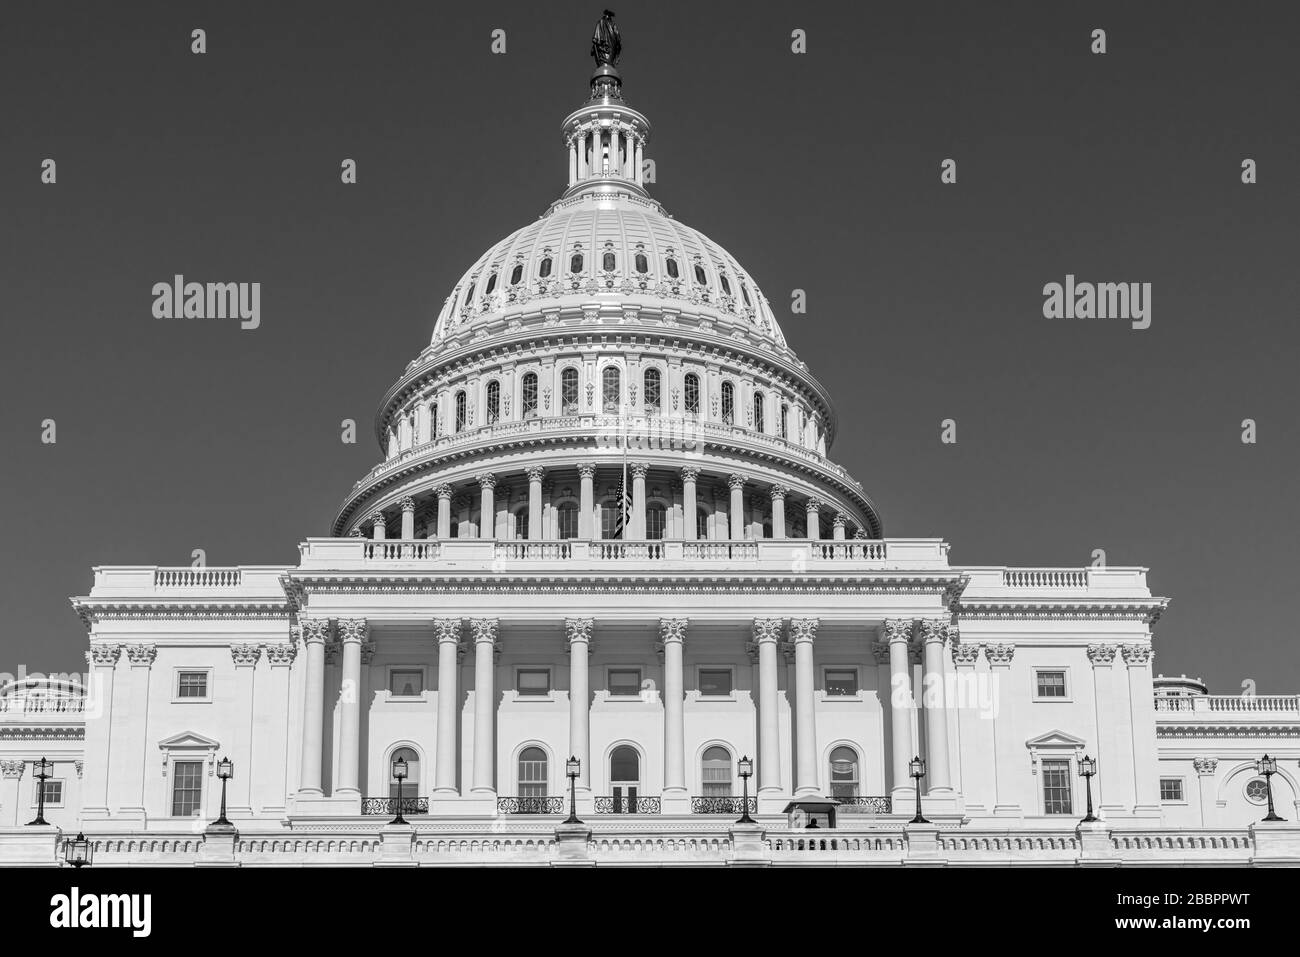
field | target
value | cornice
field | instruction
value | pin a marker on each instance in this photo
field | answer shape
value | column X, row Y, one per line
column 91, row 611
column 1227, row 730
column 29, row 732
column 1136, row 609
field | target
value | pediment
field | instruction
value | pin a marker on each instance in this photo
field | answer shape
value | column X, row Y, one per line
column 1055, row 739
column 188, row 740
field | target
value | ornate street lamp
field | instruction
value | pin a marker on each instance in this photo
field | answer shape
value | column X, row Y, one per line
column 746, row 768
column 77, row 850
column 917, row 769
column 1087, row 768
column 225, row 771
column 42, row 769
column 572, row 768
column 399, row 772
column 1268, row 767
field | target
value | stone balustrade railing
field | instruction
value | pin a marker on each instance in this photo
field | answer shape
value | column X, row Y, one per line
column 1274, row 704
column 197, row 577
column 37, row 704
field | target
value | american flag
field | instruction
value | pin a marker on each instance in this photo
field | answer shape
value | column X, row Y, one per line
column 623, row 517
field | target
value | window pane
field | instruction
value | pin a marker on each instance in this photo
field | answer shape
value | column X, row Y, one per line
column 758, row 412
column 530, row 394
column 569, row 390
column 655, row 518
column 533, row 681
column 568, row 518
column 1056, row 787
column 532, row 772
column 192, row 684
column 652, row 389
column 842, row 682
column 1051, row 684
column 626, row 681
column 610, row 393
column 544, row 269
column 715, row 681
column 1171, row 789
column 672, row 268
column 493, row 401
column 407, row 683
column 728, row 403
column 701, row 524
column 187, row 788
column 693, row 394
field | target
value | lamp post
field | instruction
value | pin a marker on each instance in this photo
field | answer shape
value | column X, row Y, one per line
column 399, row 772
column 42, row 769
column 1268, row 767
column 77, row 850
column 917, row 769
column 573, row 767
column 225, row 771
column 1087, row 768
column 746, row 768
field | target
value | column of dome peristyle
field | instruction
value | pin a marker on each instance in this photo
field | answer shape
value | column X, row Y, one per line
column 605, row 140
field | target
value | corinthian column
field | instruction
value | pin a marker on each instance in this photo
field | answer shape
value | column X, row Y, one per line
column 778, row 493
column 487, row 510
column 737, row 512
column 638, row 470
column 933, row 635
column 802, row 631
column 408, row 518
column 689, row 475
column 898, row 631
column 484, row 631
column 450, row 650
column 444, row 511
column 586, row 499
column 352, row 632
column 813, row 509
column 672, row 632
column 577, row 633
column 767, row 632
column 315, row 632
column 535, row 502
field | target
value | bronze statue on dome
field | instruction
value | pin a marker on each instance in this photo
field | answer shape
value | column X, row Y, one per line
column 605, row 43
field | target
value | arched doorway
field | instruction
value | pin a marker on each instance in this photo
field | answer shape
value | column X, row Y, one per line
column 625, row 778
column 410, row 786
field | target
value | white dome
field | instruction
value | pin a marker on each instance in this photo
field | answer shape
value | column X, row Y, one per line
column 627, row 231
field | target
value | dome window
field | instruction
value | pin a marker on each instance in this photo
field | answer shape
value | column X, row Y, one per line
column 610, row 391
column 493, row 402
column 726, row 285
column 652, row 391
column 461, row 420
column 491, row 284
column 516, row 274
column 544, row 269
column 434, row 424
column 692, row 390
column 728, row 403
column 575, row 263
column 759, row 419
column 700, row 277
column 642, row 264
column 469, row 296
column 744, row 294
column 672, row 268
column 528, row 399
column 781, row 427
column 569, row 390
column 608, row 262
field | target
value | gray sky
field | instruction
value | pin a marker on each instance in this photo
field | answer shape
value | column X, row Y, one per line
column 818, row 172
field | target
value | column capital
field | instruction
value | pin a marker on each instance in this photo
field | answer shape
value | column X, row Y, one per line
column 577, row 630
column 447, row 629
column 898, row 629
column 376, row 518
column 484, row 630
column 1205, row 766
column 368, row 651
column 802, row 631
column 105, row 653
column 407, row 504
column 1136, row 655
column 141, row 654
column 12, row 769
column 1101, row 654
column 736, row 481
column 534, row 473
column 690, row 473
column 672, row 629
column 840, row 520
column 638, row 469
column 442, row 491
column 813, row 504
column 486, row 480
column 778, row 492
column 932, row 630
column 965, row 653
column 315, row 630
column 1000, row 653
column 881, row 650
column 768, row 629
column 353, row 629
column 281, row 654
column 245, row 654
column 587, row 470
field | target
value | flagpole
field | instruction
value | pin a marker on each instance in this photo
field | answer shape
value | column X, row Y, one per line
column 622, row 505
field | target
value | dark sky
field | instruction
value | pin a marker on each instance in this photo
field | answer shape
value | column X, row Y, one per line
column 818, row 172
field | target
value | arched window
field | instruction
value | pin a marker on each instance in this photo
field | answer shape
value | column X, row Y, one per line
column 516, row 274
column 568, row 520
column 652, row 390
column 692, row 391
column 611, row 394
column 533, row 782
column 544, row 268
column 844, row 772
column 521, row 523
column 701, row 524
column 728, row 403
column 672, row 267
column 528, row 396
column 608, row 262
column 700, row 277
column 781, row 420
column 434, row 425
column 575, row 263
column 411, row 784
column 625, row 776
column 569, row 390
column 726, row 284
column 642, row 264
column 759, row 402
column 491, row 284
column 460, row 411
column 493, row 401
column 715, row 772
column 655, row 522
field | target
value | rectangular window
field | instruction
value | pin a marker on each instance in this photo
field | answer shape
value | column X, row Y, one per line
column 1049, row 684
column 655, row 520
column 568, row 518
column 715, row 682
column 187, row 788
column 191, row 684
column 842, row 681
column 716, row 778
column 1171, row 789
column 406, row 682
column 624, row 682
column 533, row 681
column 1057, row 796
column 53, row 793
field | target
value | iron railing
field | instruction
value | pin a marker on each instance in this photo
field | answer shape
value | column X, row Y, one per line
column 722, row 804
column 621, row 804
column 865, row 804
column 388, row 805
column 530, row 805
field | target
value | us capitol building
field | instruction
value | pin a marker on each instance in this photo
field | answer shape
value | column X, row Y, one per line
column 607, row 527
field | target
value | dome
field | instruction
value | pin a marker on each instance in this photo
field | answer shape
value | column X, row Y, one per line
column 606, row 244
